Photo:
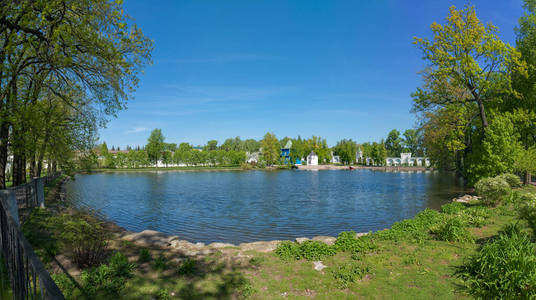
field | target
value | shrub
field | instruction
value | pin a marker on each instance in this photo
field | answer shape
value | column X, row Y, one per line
column 492, row 190
column 452, row 208
column 348, row 241
column 454, row 229
column 345, row 274
column 477, row 215
column 120, row 266
column 160, row 263
column 65, row 285
column 82, row 236
column 288, row 250
column 512, row 179
column 416, row 229
column 187, row 267
column 163, row 294
column 528, row 212
column 144, row 256
column 315, row 250
column 256, row 261
column 504, row 268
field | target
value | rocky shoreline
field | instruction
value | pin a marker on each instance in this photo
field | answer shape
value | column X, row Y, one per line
column 384, row 168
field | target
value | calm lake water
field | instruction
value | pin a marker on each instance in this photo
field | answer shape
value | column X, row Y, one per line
column 243, row 206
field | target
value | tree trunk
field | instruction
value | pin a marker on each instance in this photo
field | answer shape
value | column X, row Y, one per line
column 4, row 133
column 527, row 178
column 482, row 114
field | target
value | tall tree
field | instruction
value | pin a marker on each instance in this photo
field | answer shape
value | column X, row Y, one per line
column 346, row 150
column 393, row 143
column 270, row 148
column 155, row 145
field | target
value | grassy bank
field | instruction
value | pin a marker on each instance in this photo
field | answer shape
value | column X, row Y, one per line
column 416, row 259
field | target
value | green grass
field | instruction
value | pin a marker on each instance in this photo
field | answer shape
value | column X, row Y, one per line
column 416, row 259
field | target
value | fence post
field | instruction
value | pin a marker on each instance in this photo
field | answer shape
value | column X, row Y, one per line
column 40, row 191
column 10, row 201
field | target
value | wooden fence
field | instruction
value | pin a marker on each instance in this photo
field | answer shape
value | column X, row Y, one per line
column 27, row 275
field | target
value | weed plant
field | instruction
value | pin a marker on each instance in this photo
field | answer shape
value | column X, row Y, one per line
column 144, row 256
column 345, row 274
column 504, row 268
column 187, row 267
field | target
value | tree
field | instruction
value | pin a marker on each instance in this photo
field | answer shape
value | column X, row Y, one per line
column 393, row 143
column 270, row 148
column 413, row 142
column 155, row 145
column 525, row 162
column 496, row 151
column 211, row 145
column 468, row 57
column 346, row 150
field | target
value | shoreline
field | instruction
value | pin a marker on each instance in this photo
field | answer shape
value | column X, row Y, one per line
column 152, row 238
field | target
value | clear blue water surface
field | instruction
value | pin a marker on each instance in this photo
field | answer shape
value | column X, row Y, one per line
column 243, row 206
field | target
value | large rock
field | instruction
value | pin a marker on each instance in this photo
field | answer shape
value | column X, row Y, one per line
column 149, row 238
column 220, row 245
column 302, row 239
column 465, row 198
column 325, row 239
column 260, row 246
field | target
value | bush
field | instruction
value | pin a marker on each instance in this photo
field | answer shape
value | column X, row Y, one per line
column 82, row 236
column 512, row 179
column 503, row 269
column 288, row 250
column 416, row 229
column 345, row 274
column 120, row 266
column 160, row 263
column 452, row 208
column 528, row 211
column 65, row 285
column 187, row 267
column 477, row 216
column 348, row 241
column 492, row 190
column 315, row 250
column 454, row 229
column 144, row 256
column 163, row 294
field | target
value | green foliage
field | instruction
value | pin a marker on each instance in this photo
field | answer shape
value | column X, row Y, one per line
column 160, row 263
column 144, row 256
column 163, row 294
column 82, row 236
column 345, row 274
column 346, row 150
column 454, row 229
column 155, row 145
column 120, row 265
column 477, row 215
column 504, row 268
column 492, row 190
column 65, row 284
column 494, row 151
column 270, row 148
column 288, row 250
column 528, row 210
column 315, row 250
column 257, row 261
column 452, row 208
column 310, row 250
column 512, row 179
column 416, row 229
column 348, row 241
column 187, row 267
column 393, row 143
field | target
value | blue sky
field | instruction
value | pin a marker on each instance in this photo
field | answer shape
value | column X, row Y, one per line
column 337, row 69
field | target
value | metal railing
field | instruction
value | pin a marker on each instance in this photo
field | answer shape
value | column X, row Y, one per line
column 27, row 275
column 31, row 194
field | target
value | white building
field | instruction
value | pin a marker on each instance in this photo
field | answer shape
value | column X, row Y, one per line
column 252, row 158
column 312, row 159
column 405, row 159
column 335, row 159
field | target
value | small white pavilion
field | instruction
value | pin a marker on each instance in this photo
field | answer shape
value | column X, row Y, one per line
column 312, row 159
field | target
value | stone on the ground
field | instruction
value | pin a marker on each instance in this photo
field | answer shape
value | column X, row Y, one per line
column 260, row 246
column 149, row 238
column 319, row 266
column 360, row 234
column 465, row 198
column 301, row 240
column 218, row 245
column 325, row 239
